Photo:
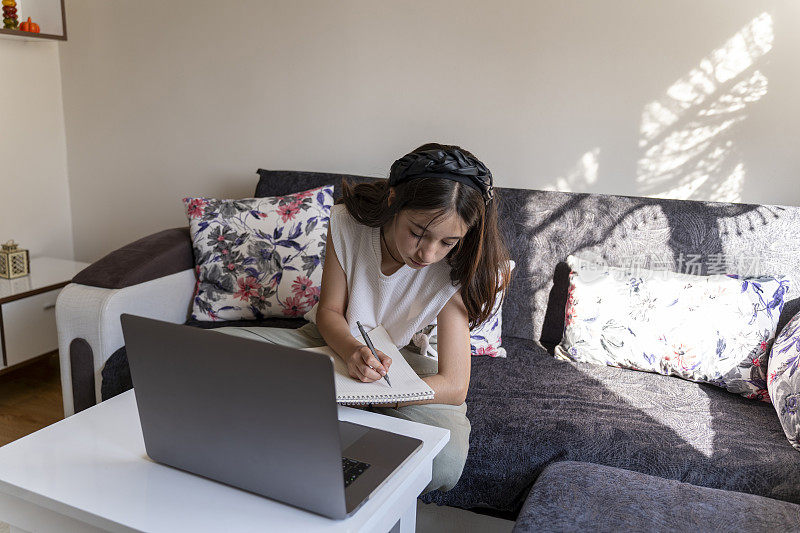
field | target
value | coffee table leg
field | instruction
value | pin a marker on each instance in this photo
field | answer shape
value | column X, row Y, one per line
column 408, row 520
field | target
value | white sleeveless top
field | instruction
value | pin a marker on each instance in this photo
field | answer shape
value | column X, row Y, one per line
column 404, row 302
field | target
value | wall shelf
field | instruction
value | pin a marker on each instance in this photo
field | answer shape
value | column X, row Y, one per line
column 26, row 35
column 49, row 14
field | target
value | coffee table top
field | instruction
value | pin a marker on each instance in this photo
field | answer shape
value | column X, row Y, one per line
column 92, row 466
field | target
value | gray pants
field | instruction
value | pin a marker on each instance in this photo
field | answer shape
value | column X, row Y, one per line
column 449, row 463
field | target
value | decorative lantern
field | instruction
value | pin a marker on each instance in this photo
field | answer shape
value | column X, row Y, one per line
column 14, row 262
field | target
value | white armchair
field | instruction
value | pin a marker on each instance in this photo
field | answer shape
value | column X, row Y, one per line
column 147, row 278
column 152, row 277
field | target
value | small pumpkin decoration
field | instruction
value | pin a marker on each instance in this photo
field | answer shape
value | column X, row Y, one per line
column 29, row 26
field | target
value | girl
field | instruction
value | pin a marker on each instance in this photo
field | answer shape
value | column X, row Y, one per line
column 401, row 253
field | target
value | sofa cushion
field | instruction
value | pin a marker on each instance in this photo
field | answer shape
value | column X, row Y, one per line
column 529, row 410
column 258, row 257
column 784, row 379
column 487, row 337
column 716, row 329
column 574, row 496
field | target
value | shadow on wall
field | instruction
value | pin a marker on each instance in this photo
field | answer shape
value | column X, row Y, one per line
column 687, row 135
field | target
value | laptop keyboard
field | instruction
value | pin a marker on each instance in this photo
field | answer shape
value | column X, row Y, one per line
column 352, row 469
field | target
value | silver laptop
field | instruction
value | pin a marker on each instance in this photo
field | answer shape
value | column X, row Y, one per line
column 257, row 416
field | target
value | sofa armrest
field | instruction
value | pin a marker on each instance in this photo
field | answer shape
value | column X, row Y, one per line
column 89, row 329
column 155, row 256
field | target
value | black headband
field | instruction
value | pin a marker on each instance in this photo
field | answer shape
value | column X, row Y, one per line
column 447, row 164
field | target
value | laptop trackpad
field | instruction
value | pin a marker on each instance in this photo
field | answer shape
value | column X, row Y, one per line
column 350, row 433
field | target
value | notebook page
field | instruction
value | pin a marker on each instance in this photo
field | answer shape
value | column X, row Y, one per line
column 406, row 384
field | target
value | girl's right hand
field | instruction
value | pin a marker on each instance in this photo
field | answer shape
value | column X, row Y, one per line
column 363, row 366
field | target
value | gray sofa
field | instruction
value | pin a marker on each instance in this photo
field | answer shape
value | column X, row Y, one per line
column 529, row 411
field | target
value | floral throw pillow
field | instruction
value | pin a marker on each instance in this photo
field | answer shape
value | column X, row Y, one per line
column 784, row 379
column 258, row 257
column 485, row 338
column 713, row 329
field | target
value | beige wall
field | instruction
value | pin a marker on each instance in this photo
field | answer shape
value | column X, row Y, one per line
column 34, row 192
column 687, row 98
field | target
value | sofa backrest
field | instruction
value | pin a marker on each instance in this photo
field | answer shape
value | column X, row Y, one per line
column 283, row 182
column 542, row 228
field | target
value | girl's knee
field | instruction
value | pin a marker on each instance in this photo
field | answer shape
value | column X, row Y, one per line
column 448, row 466
column 449, row 462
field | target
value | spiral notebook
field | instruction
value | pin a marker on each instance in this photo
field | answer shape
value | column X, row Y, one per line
column 406, row 384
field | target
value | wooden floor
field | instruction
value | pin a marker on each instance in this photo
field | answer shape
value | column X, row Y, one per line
column 30, row 399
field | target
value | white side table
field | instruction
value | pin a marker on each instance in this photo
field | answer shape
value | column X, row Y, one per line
column 27, row 310
column 89, row 472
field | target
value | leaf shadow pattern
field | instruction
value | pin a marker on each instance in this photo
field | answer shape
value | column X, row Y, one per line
column 523, row 417
column 688, row 135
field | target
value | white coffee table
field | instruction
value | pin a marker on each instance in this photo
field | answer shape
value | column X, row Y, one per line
column 90, row 472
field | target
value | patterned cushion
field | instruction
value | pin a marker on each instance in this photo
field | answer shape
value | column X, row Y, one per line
column 258, row 257
column 714, row 329
column 784, row 379
column 486, row 338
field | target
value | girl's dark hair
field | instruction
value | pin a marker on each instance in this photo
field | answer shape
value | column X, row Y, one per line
column 479, row 262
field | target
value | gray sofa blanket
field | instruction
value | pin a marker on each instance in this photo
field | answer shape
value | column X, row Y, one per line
column 531, row 410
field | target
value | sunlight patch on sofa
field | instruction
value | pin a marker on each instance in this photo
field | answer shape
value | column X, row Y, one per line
column 696, row 430
column 686, row 136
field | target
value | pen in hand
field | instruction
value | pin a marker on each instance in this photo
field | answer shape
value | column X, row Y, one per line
column 372, row 348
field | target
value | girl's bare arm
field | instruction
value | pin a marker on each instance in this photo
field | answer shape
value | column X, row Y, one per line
column 451, row 382
column 333, row 326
